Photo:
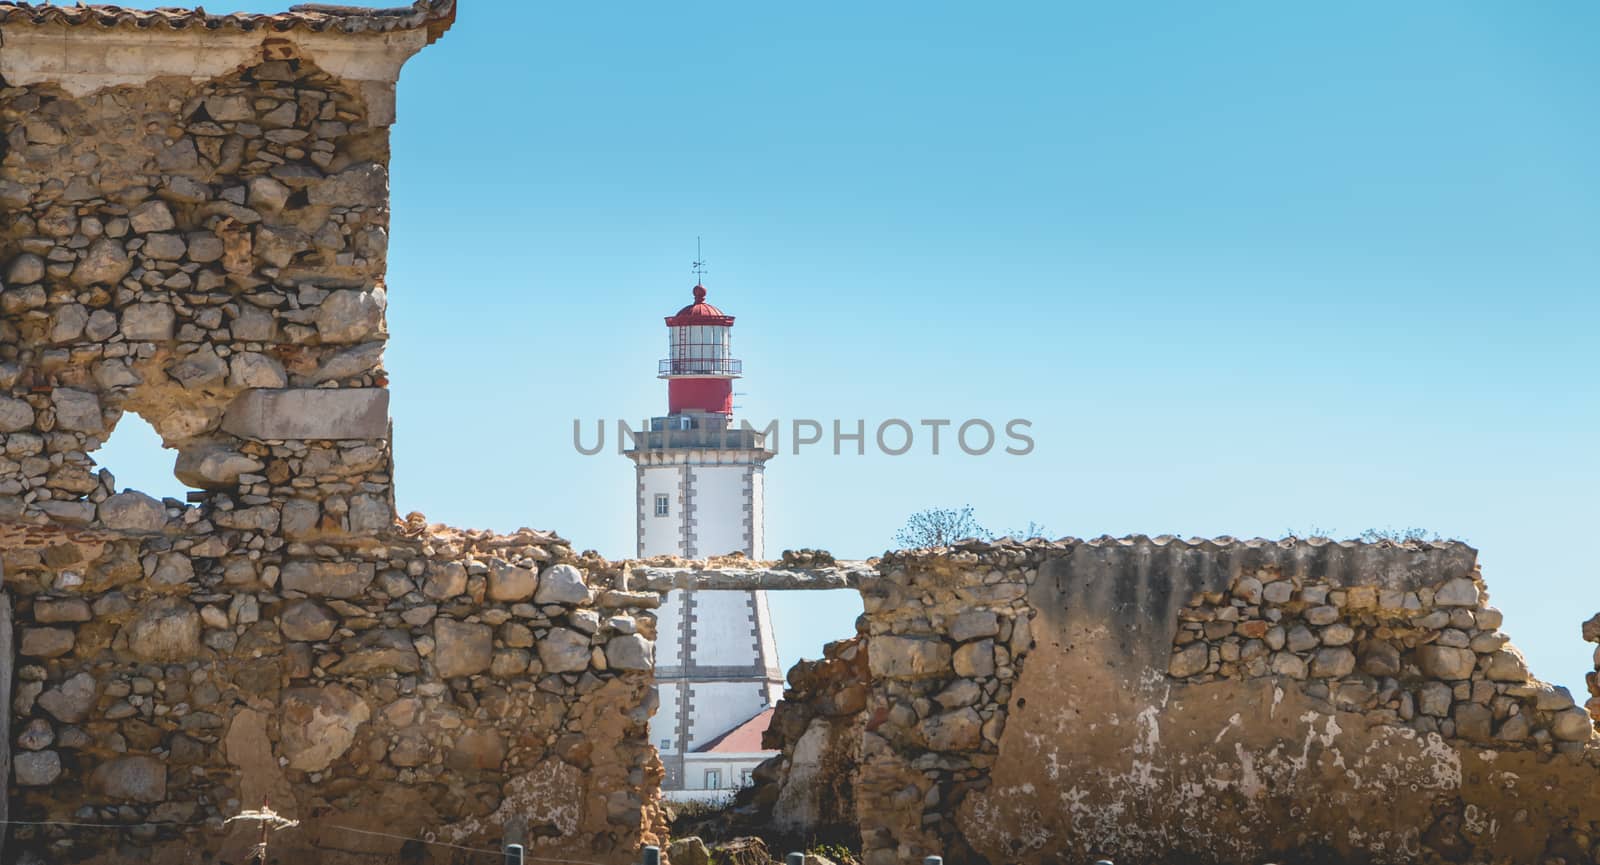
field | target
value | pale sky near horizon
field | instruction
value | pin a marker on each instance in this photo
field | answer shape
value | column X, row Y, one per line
column 1247, row 267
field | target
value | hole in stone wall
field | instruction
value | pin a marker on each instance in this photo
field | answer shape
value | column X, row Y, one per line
column 136, row 458
column 805, row 621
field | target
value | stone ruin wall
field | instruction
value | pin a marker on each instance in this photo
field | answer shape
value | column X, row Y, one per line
column 206, row 249
column 1169, row 701
column 807, row 791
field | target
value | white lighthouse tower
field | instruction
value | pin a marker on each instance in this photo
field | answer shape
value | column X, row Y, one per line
column 699, row 489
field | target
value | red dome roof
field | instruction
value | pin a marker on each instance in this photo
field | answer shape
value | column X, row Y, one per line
column 699, row 312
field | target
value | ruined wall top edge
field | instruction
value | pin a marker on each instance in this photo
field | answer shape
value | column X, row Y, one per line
column 87, row 49
column 435, row 16
column 1196, row 562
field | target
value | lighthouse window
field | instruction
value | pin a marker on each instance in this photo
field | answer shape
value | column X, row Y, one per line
column 662, row 505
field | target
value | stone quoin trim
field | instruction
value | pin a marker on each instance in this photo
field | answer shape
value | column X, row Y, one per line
column 685, row 692
column 711, row 675
column 759, row 521
column 765, row 664
column 750, row 510
column 638, row 535
column 680, row 496
column 688, row 723
column 691, row 549
column 673, row 761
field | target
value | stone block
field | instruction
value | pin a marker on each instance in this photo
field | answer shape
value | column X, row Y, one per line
column 77, row 410
column 15, row 415
column 562, row 584
column 507, row 582
column 165, row 630
column 630, row 652
column 908, row 657
column 37, row 769
column 319, row 724
column 133, row 511
column 70, row 701
column 973, row 624
column 461, row 648
column 46, row 642
column 309, row 413
column 1443, row 662
column 975, row 660
column 959, row 730
column 1507, row 665
column 213, row 466
column 328, row 579
column 1460, row 592
column 378, row 653
column 564, row 651
column 307, row 621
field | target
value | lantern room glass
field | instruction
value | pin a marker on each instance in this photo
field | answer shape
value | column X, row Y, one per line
column 700, row 349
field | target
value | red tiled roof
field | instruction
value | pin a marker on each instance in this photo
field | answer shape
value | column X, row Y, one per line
column 435, row 15
column 743, row 739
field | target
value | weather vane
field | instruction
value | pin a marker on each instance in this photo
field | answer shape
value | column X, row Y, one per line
column 699, row 263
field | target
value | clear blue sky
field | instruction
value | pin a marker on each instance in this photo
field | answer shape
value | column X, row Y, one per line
column 1248, row 267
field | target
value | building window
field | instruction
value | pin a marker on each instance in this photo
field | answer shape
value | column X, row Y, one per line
column 713, row 779
column 663, row 505
column 666, row 744
column 745, row 778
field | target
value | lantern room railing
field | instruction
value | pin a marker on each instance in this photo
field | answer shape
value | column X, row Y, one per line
column 701, row 366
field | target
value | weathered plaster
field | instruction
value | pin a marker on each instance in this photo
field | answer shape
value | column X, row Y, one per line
column 131, row 58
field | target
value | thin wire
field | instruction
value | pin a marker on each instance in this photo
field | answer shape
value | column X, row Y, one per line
column 526, row 855
column 88, row 825
column 426, row 841
column 482, row 850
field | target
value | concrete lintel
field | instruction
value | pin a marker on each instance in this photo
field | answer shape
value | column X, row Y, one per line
column 844, row 575
column 310, row 413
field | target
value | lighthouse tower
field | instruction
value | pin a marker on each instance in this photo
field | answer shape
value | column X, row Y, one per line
column 699, row 494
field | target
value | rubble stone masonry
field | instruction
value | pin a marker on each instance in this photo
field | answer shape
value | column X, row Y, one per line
column 1159, row 700
column 193, row 228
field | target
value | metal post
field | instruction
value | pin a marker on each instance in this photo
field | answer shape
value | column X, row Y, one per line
column 261, row 849
column 513, row 854
column 652, row 856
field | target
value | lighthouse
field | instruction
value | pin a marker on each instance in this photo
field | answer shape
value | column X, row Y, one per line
column 699, row 491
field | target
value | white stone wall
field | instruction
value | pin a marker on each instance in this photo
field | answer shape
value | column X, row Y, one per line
column 728, row 672
column 730, row 767
column 719, row 525
column 661, row 536
column 723, row 631
column 664, row 724
column 717, row 707
column 769, row 643
column 669, row 621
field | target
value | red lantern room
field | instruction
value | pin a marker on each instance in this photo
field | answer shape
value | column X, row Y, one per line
column 699, row 368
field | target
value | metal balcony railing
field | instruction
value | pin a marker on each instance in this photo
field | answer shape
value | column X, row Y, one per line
column 700, row 366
